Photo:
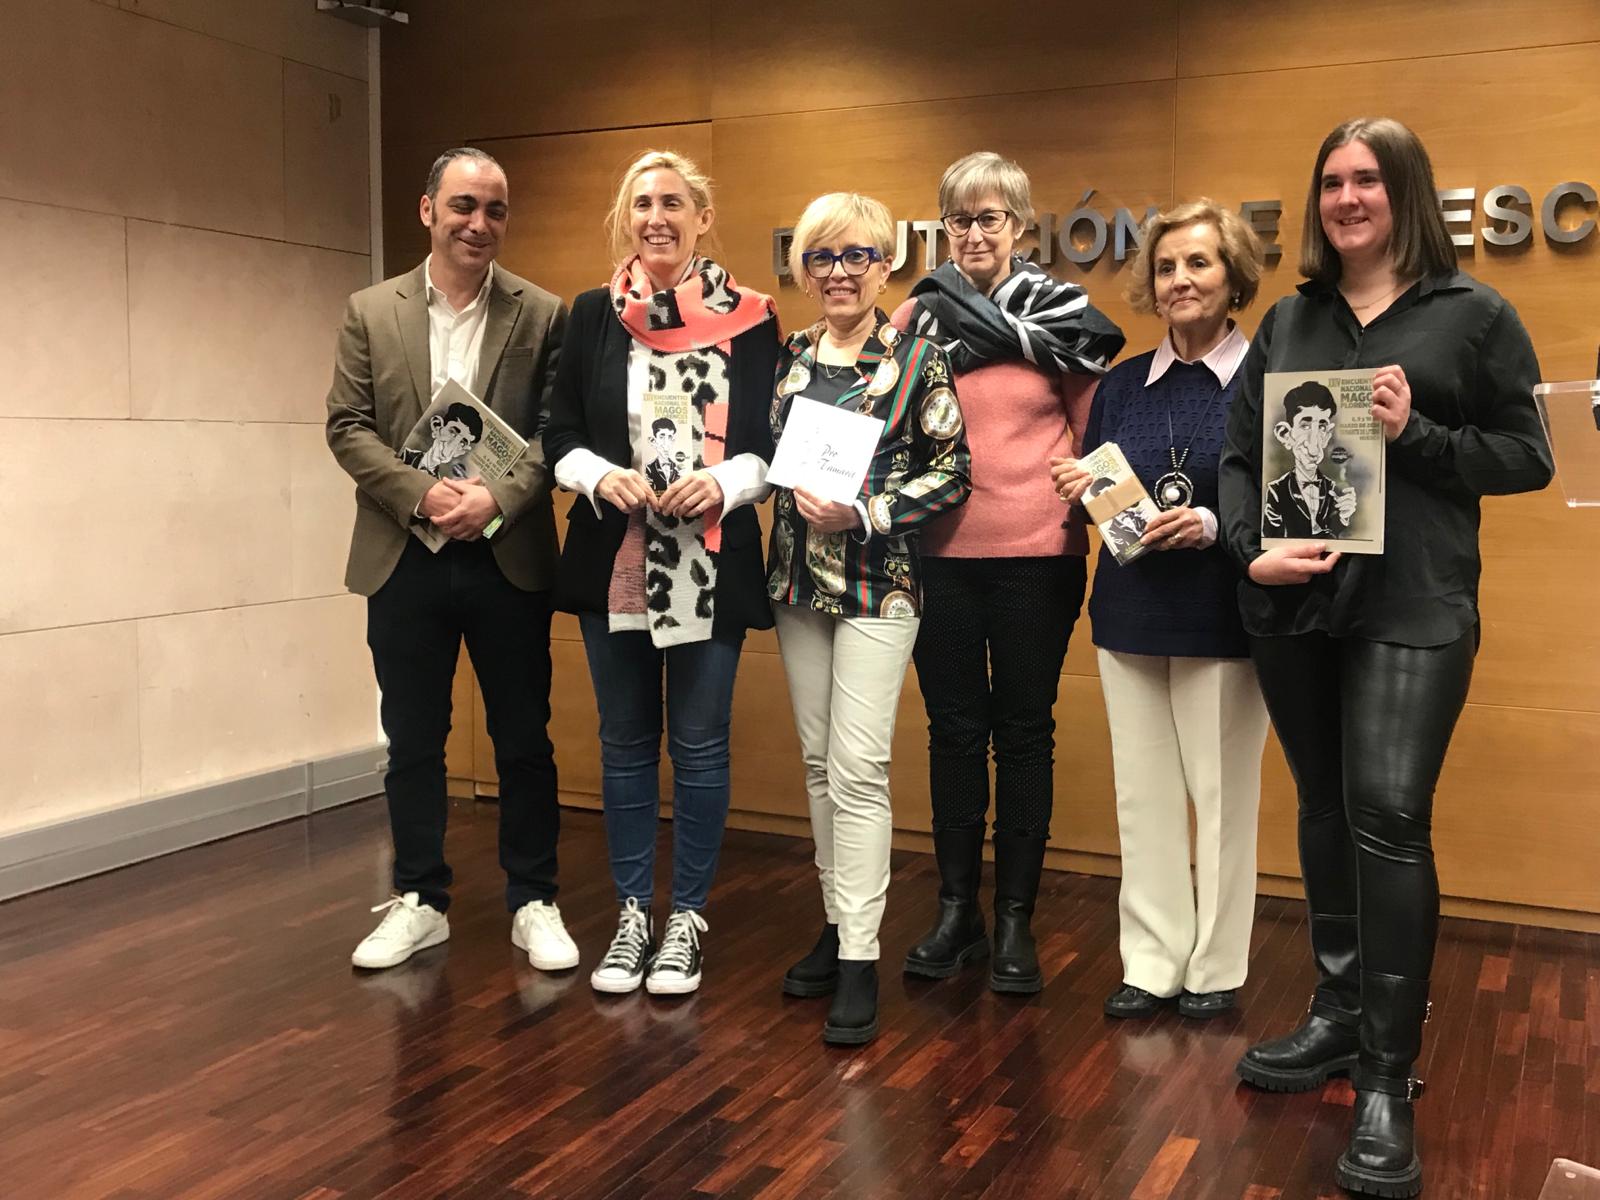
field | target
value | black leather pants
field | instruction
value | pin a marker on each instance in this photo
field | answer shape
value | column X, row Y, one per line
column 1365, row 726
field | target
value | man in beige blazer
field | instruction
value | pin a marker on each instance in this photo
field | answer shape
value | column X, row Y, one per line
column 456, row 316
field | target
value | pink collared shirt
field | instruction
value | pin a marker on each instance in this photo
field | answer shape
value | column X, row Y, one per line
column 1223, row 359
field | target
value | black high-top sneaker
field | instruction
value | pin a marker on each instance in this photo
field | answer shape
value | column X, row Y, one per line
column 675, row 970
column 628, row 957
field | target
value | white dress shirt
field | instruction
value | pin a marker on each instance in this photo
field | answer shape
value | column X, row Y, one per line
column 455, row 339
column 1222, row 360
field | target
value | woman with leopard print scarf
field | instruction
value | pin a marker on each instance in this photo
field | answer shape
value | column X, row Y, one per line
column 658, row 416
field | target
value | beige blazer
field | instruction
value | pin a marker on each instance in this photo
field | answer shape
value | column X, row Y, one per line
column 382, row 383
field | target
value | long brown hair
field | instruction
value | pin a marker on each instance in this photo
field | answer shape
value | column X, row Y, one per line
column 1419, row 244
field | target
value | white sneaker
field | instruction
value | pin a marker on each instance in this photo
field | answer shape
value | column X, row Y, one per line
column 407, row 926
column 537, row 928
column 623, row 967
column 675, row 970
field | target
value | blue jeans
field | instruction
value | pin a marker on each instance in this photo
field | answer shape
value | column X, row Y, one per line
column 627, row 670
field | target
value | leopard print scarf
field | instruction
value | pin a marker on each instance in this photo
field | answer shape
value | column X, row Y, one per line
column 664, row 578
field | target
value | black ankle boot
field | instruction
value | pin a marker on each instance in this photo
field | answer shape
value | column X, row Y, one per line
column 958, row 935
column 1326, row 1042
column 1018, row 861
column 1382, row 1157
column 818, row 972
column 853, row 1015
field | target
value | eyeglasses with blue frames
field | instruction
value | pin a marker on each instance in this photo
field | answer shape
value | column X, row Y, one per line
column 990, row 220
column 854, row 259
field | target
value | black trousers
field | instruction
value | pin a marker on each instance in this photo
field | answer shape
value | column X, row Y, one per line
column 1365, row 726
column 415, row 626
column 988, row 654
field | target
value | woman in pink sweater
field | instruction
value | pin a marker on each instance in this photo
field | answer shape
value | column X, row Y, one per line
column 1004, row 575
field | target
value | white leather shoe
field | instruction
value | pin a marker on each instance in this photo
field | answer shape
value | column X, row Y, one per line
column 407, row 926
column 537, row 928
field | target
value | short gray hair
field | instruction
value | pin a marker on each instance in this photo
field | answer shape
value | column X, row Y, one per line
column 440, row 164
column 971, row 178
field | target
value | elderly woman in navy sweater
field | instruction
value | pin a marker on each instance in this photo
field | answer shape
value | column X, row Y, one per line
column 1186, row 715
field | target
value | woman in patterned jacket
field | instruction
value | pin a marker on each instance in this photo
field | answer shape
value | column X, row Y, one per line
column 844, row 579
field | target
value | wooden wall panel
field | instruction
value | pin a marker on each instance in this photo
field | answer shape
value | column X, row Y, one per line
column 1222, row 37
column 463, row 70
column 911, row 51
column 897, row 153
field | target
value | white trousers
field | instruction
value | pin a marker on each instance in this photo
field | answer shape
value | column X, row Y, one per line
column 1185, row 730
column 845, row 675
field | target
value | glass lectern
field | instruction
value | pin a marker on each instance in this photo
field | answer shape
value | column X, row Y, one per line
column 1571, row 416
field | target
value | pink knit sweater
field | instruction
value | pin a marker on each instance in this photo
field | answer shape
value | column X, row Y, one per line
column 1018, row 417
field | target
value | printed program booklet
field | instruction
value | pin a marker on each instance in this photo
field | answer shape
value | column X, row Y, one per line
column 1322, row 461
column 458, row 437
column 1117, row 502
column 669, row 428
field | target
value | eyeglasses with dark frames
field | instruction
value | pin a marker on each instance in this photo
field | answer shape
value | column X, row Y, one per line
column 990, row 220
column 854, row 259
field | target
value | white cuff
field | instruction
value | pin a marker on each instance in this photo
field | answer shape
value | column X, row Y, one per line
column 743, row 480
column 581, row 470
column 1208, row 527
column 864, row 534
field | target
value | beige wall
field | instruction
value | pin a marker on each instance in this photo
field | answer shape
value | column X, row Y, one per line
column 183, row 208
column 1160, row 100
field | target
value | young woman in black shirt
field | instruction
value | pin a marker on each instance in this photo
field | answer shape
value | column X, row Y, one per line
column 1365, row 660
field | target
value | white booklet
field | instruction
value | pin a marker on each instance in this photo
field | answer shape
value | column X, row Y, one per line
column 458, row 437
column 825, row 449
column 1322, row 461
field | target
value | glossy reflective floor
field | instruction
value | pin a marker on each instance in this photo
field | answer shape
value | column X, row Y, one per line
column 191, row 1027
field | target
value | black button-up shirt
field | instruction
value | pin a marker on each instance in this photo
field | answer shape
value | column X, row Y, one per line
column 1473, row 431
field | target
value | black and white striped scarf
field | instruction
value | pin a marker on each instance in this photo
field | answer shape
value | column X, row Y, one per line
column 1030, row 316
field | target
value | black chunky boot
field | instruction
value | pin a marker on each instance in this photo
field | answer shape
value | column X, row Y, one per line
column 818, row 972
column 1382, row 1157
column 958, row 936
column 1327, row 1041
column 853, row 1015
column 1018, row 861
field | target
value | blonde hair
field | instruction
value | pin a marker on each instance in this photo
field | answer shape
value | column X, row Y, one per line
column 983, row 172
column 618, row 235
column 826, row 217
column 1236, row 242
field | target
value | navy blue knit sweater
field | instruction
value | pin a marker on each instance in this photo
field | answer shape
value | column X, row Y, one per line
column 1180, row 603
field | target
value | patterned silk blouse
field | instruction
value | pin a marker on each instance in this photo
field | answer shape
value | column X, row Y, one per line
column 921, row 470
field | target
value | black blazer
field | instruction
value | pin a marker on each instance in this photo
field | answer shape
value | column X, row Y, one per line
column 589, row 410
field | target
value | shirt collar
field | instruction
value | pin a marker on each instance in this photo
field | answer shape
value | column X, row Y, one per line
column 434, row 294
column 1222, row 360
column 1452, row 280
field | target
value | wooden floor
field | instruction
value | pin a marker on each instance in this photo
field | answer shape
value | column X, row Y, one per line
column 191, row 1027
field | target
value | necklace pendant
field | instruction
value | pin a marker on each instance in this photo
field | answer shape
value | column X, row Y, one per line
column 1174, row 490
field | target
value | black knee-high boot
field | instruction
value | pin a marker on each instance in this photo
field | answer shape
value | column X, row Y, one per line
column 958, row 936
column 1326, row 1042
column 1018, row 862
column 1382, row 1157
